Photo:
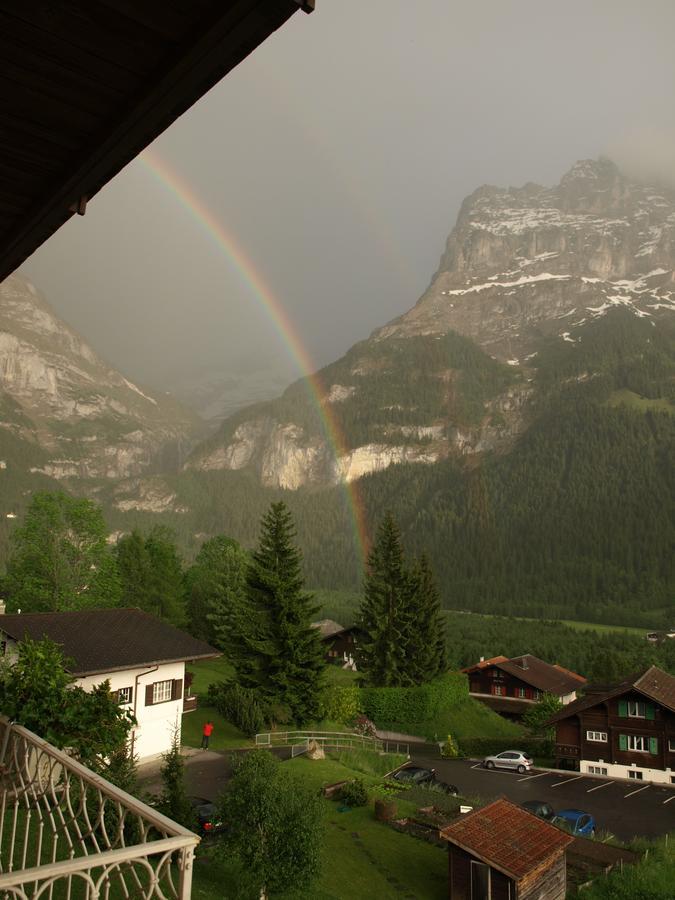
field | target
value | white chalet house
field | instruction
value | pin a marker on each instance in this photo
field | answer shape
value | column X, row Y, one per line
column 141, row 656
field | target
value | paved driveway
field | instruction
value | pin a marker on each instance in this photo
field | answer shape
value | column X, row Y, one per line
column 620, row 807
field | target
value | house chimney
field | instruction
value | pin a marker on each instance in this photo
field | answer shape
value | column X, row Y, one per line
column 523, row 662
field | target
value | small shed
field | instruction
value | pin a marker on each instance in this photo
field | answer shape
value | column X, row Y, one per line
column 503, row 852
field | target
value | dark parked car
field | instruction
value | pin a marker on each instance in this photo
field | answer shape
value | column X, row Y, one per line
column 207, row 816
column 416, row 775
column 539, row 808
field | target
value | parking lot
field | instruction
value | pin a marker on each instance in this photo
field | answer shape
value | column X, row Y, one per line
column 620, row 807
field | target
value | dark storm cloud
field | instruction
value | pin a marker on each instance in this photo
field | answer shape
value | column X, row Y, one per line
column 338, row 154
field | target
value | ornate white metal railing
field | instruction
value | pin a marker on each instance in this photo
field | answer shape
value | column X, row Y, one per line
column 68, row 834
column 329, row 740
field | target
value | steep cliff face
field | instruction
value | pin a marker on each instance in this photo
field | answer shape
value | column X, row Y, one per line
column 522, row 267
column 529, row 261
column 82, row 418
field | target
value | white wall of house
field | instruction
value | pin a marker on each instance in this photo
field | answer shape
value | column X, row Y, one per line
column 567, row 698
column 614, row 770
column 156, row 722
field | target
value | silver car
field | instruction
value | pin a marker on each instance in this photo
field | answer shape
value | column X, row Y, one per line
column 509, row 759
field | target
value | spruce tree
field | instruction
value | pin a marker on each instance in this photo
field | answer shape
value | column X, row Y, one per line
column 426, row 652
column 276, row 651
column 384, row 615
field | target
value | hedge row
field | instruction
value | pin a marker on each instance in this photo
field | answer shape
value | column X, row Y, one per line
column 411, row 709
column 480, row 747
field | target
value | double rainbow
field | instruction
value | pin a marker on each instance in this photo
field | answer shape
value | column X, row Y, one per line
column 261, row 292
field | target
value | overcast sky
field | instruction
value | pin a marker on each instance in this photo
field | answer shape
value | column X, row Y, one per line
column 338, row 154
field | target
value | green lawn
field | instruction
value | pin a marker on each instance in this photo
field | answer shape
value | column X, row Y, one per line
column 208, row 671
column 641, row 404
column 338, row 675
column 571, row 623
column 473, row 719
column 362, row 858
column 225, row 736
column 594, row 626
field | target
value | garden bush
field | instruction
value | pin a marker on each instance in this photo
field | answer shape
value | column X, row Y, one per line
column 411, row 709
column 339, row 703
column 239, row 706
column 354, row 793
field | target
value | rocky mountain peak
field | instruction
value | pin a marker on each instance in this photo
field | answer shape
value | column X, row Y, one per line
column 519, row 259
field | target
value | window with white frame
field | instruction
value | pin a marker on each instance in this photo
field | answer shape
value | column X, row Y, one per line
column 537, row 695
column 671, row 745
column 124, row 695
column 636, row 774
column 162, row 691
column 636, row 709
column 499, row 690
column 597, row 770
column 596, row 736
column 637, row 742
column 521, row 692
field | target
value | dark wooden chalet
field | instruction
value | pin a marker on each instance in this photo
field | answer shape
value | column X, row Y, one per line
column 503, row 852
column 511, row 686
column 623, row 731
column 339, row 642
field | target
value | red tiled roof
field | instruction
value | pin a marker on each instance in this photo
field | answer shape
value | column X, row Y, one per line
column 486, row 662
column 507, row 837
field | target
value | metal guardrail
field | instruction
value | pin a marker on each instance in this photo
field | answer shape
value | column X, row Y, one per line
column 329, row 740
column 66, row 832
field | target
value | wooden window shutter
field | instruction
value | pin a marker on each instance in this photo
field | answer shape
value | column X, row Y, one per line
column 653, row 745
column 623, row 708
column 623, row 742
column 649, row 711
column 148, row 694
column 177, row 691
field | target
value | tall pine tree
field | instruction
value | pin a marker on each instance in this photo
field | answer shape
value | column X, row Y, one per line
column 384, row 615
column 277, row 652
column 425, row 650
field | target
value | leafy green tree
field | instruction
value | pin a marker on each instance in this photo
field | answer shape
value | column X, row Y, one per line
column 60, row 558
column 540, row 712
column 275, row 650
column 274, row 825
column 151, row 573
column 37, row 691
column 135, row 570
column 167, row 598
column 385, row 611
column 215, row 585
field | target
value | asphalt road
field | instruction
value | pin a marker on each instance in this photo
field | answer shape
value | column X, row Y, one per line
column 622, row 808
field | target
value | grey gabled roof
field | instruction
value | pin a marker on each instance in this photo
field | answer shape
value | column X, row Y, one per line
column 96, row 641
column 653, row 683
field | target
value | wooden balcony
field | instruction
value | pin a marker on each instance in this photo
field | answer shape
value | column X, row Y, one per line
column 567, row 750
column 190, row 703
column 67, row 832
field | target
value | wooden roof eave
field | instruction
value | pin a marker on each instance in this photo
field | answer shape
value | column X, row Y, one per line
column 196, row 67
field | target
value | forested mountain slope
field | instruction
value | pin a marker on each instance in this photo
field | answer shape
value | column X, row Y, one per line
column 519, row 420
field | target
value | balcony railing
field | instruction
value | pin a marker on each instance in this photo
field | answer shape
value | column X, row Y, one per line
column 190, row 703
column 67, row 833
column 567, row 750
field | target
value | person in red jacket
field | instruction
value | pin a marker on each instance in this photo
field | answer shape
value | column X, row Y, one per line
column 207, row 731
